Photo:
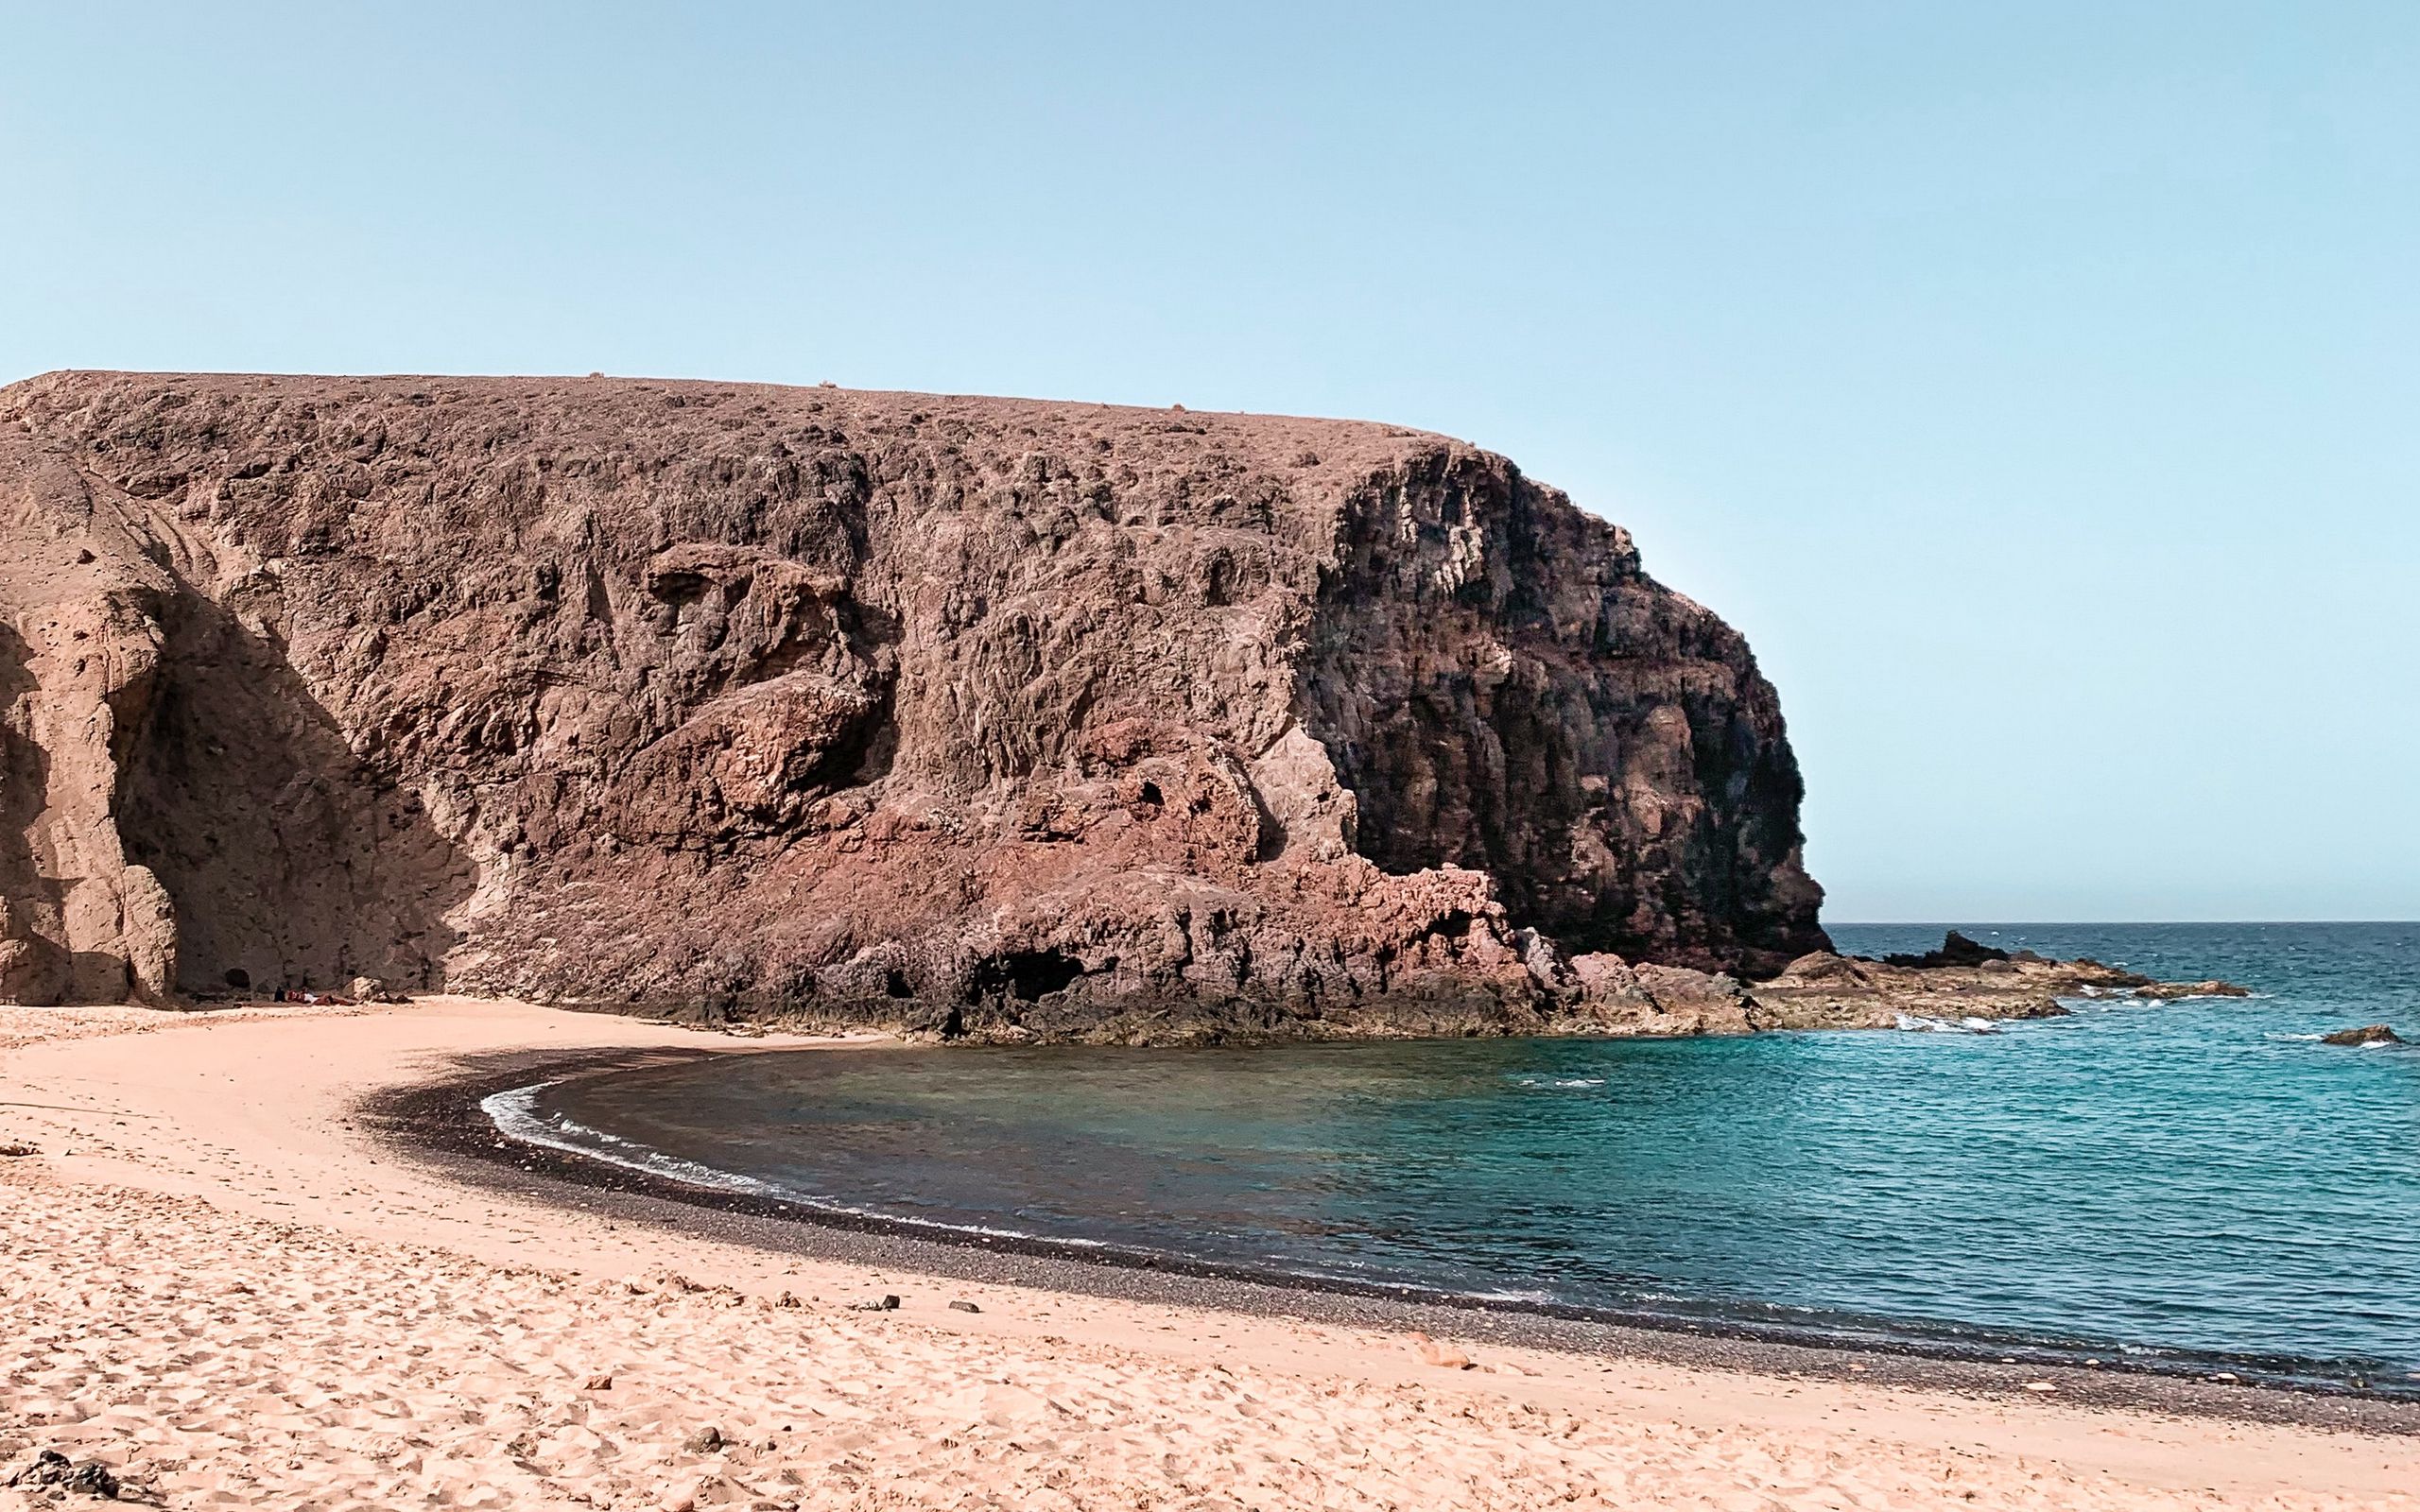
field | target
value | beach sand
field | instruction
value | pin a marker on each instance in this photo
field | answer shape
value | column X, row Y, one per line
column 220, row 1281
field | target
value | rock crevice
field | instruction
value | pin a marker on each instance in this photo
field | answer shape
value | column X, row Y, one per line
column 981, row 715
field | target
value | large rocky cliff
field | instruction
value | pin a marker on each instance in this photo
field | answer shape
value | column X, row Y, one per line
column 982, row 714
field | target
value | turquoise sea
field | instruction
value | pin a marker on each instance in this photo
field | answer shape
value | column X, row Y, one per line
column 2196, row 1186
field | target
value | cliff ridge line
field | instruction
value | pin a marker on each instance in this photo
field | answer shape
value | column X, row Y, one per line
column 993, row 716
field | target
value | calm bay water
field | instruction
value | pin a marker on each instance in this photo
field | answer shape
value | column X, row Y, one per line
column 2195, row 1185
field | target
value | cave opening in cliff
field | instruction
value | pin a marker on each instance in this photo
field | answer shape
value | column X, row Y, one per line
column 1029, row 976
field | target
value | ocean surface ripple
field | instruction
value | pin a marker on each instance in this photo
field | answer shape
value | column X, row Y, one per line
column 2200, row 1185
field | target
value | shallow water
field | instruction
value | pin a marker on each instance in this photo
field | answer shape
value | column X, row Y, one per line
column 2198, row 1185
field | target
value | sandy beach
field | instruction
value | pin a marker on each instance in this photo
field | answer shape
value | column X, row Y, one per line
column 219, row 1284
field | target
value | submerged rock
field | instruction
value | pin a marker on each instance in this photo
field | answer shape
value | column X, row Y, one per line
column 2172, row 991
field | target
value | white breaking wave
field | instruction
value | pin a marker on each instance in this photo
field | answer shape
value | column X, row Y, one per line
column 515, row 1115
column 2315, row 1038
column 1919, row 1023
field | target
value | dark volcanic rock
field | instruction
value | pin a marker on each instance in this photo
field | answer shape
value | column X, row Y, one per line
column 982, row 716
column 1956, row 949
column 52, row 1469
column 2369, row 1034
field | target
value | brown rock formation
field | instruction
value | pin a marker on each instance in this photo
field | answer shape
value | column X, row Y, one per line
column 2172, row 991
column 1009, row 716
column 80, row 661
column 1961, row 980
column 2367, row 1035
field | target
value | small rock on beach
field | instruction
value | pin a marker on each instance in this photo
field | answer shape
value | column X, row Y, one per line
column 52, row 1469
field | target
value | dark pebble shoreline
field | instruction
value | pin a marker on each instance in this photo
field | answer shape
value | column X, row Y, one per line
column 439, row 1123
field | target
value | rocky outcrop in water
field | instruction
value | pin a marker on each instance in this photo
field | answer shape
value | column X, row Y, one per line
column 983, row 715
column 2362, row 1038
column 1961, row 980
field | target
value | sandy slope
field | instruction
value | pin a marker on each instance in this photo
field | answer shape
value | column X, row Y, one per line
column 213, row 1282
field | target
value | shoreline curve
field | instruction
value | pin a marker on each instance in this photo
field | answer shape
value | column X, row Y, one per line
column 212, row 1216
column 444, row 1116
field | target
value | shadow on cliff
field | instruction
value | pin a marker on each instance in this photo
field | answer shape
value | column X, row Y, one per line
column 291, row 862
column 1622, row 774
column 25, row 773
column 33, row 966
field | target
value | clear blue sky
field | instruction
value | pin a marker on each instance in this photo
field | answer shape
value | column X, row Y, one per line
column 2037, row 384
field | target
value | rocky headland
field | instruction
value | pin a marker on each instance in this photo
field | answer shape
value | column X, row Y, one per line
column 1962, row 980
column 969, row 716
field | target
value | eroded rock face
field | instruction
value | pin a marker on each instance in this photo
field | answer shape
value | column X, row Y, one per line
column 994, row 717
column 79, row 666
